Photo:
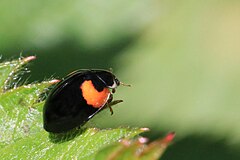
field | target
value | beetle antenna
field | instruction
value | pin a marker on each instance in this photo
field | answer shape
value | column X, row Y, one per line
column 123, row 84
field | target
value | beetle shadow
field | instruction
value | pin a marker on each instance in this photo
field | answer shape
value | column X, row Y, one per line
column 64, row 137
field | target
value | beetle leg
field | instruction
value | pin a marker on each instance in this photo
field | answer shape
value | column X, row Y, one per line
column 108, row 103
column 113, row 90
column 110, row 98
column 111, row 103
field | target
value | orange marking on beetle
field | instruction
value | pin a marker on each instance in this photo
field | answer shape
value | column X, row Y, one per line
column 92, row 96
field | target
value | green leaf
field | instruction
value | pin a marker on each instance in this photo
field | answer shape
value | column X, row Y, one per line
column 19, row 117
column 22, row 135
column 135, row 149
column 10, row 71
column 82, row 145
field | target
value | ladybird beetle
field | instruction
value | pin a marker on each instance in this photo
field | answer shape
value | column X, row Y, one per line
column 77, row 98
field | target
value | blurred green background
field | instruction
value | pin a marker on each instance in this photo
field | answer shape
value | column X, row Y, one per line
column 181, row 57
